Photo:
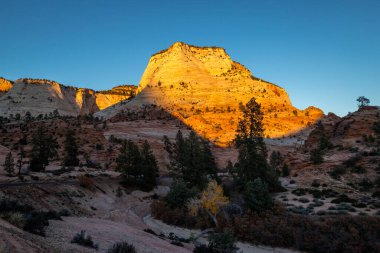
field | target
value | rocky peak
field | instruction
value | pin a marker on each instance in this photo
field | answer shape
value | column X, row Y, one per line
column 204, row 87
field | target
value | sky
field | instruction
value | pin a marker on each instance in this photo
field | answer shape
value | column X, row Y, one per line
column 325, row 53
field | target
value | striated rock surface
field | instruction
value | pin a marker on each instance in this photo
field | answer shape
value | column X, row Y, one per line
column 40, row 96
column 204, row 88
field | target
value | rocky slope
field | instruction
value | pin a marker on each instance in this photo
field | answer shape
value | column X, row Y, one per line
column 204, row 87
column 40, row 96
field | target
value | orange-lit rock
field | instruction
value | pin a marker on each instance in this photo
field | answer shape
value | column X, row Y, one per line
column 203, row 87
column 5, row 85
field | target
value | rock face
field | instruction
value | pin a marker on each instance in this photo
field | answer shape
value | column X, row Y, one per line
column 203, row 87
column 348, row 131
column 5, row 86
column 107, row 98
column 39, row 96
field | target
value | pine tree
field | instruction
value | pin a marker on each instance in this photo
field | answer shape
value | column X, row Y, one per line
column 252, row 160
column 128, row 161
column 192, row 160
column 44, row 148
column 9, row 165
column 71, row 149
column 275, row 160
column 21, row 156
column 149, row 167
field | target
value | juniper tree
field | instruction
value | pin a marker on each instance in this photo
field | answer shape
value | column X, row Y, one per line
column 71, row 149
column 9, row 165
column 252, row 159
column 362, row 101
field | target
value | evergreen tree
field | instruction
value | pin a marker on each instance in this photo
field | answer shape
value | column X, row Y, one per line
column 316, row 155
column 275, row 160
column 285, row 170
column 9, row 165
column 44, row 148
column 323, row 142
column 256, row 196
column 128, row 161
column 71, row 149
column 21, row 156
column 192, row 160
column 208, row 160
column 178, row 194
column 167, row 145
column 149, row 167
column 252, row 159
column 362, row 101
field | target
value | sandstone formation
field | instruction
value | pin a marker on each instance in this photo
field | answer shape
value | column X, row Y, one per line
column 40, row 96
column 5, row 86
column 204, row 88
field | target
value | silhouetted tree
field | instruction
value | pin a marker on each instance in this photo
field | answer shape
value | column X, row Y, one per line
column 275, row 160
column 9, row 165
column 129, row 160
column 252, row 160
column 71, row 149
column 149, row 167
column 21, row 156
column 316, row 155
column 44, row 148
column 139, row 167
column 192, row 160
column 362, row 101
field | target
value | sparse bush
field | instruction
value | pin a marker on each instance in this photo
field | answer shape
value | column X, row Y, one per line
column 223, row 242
column 83, row 240
column 35, row 223
column 338, row 171
column 122, row 247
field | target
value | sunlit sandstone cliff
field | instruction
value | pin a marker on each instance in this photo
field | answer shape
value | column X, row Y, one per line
column 203, row 87
column 40, row 96
column 5, row 85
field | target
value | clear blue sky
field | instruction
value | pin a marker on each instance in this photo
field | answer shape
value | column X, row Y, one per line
column 324, row 53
